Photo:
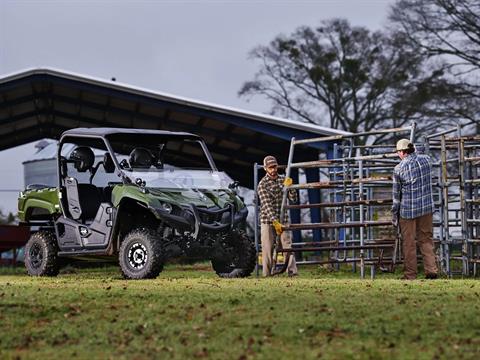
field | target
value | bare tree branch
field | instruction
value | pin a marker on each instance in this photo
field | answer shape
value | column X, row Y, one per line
column 352, row 79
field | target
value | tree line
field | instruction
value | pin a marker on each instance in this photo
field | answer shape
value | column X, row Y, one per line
column 6, row 219
column 423, row 66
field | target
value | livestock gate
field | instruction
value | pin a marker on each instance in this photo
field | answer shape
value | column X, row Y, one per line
column 456, row 181
column 356, row 198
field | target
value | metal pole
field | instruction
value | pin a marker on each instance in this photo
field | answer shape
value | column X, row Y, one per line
column 353, row 231
column 282, row 210
column 336, row 232
column 256, row 216
column 445, row 204
column 343, row 137
column 287, row 174
column 360, row 194
column 443, row 245
column 412, row 131
column 461, row 174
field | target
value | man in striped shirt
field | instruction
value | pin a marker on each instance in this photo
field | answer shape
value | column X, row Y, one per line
column 413, row 207
column 270, row 192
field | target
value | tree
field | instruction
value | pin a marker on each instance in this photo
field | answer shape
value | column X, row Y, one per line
column 447, row 30
column 7, row 219
column 349, row 78
column 443, row 27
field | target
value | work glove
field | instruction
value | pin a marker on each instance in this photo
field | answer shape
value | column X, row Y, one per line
column 278, row 227
column 288, row 181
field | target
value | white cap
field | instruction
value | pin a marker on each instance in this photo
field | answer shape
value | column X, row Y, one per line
column 403, row 144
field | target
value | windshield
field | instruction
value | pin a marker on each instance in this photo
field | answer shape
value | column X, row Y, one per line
column 152, row 152
column 182, row 179
column 174, row 161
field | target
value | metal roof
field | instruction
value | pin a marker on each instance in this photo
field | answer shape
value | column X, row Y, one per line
column 101, row 131
column 43, row 103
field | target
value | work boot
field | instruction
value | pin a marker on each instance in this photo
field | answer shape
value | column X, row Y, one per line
column 431, row 276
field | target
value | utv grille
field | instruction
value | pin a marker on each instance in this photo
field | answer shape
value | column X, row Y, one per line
column 214, row 215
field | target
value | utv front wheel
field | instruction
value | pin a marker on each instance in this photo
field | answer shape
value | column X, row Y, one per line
column 240, row 257
column 141, row 255
column 41, row 254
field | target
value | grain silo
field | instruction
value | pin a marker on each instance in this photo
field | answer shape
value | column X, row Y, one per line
column 41, row 167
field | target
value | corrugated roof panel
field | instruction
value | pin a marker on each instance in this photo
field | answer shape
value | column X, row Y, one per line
column 215, row 125
column 22, row 108
column 66, row 91
column 96, row 98
column 122, row 104
column 149, row 110
column 229, row 145
column 184, row 118
column 63, row 107
column 16, row 93
column 92, row 113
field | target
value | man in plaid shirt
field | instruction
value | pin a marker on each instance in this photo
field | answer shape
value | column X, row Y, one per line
column 270, row 191
column 413, row 207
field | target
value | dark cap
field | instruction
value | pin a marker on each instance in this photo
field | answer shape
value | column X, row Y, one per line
column 269, row 161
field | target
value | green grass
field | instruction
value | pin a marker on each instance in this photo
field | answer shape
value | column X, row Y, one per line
column 188, row 312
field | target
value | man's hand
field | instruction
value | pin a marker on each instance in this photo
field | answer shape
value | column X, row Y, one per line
column 288, row 181
column 278, row 227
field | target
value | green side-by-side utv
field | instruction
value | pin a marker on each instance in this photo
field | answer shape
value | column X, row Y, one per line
column 143, row 196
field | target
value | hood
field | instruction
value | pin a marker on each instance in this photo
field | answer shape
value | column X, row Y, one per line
column 203, row 198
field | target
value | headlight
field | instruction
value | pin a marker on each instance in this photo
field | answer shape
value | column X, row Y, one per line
column 166, row 207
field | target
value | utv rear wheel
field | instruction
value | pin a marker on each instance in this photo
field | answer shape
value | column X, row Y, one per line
column 41, row 254
column 141, row 255
column 240, row 257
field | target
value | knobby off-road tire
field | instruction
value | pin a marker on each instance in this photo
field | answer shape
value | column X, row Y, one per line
column 241, row 258
column 141, row 255
column 41, row 254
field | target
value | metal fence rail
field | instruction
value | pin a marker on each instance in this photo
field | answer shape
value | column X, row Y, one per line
column 356, row 192
column 458, row 205
column 356, row 184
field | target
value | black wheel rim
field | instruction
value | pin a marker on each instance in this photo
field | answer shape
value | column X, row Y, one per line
column 137, row 256
column 36, row 255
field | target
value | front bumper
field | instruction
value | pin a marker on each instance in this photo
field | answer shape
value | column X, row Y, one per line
column 197, row 220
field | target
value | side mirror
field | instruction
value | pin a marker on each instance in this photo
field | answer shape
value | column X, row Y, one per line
column 124, row 164
column 141, row 183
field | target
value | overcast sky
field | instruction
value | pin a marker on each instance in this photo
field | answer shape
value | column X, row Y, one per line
column 197, row 49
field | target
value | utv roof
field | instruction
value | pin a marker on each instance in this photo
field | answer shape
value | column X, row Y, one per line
column 102, row 131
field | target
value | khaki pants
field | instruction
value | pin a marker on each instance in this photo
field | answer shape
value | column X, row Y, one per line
column 267, row 236
column 418, row 231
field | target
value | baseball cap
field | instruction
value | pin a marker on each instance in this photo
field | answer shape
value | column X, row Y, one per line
column 269, row 161
column 403, row 144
